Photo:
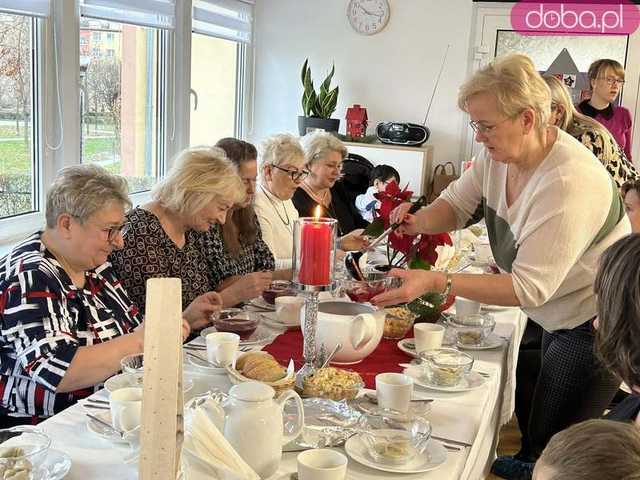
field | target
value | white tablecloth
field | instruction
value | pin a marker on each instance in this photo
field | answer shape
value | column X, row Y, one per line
column 474, row 417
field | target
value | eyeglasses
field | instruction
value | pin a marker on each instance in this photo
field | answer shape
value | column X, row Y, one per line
column 478, row 127
column 612, row 80
column 296, row 175
column 113, row 232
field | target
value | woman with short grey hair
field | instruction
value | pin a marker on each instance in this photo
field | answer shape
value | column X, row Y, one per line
column 65, row 319
column 322, row 188
column 282, row 169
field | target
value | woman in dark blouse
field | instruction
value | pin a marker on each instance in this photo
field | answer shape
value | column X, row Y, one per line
column 325, row 154
column 169, row 236
column 617, row 287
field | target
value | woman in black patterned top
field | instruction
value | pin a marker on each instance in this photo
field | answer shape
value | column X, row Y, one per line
column 590, row 133
column 65, row 319
column 170, row 236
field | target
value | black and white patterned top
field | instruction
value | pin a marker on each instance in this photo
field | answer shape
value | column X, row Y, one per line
column 255, row 257
column 44, row 318
column 149, row 253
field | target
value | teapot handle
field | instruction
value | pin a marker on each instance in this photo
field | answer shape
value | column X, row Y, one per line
column 281, row 400
column 363, row 329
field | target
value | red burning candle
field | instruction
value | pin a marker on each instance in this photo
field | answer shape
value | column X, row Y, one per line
column 315, row 252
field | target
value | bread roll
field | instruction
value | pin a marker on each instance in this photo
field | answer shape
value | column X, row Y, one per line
column 246, row 360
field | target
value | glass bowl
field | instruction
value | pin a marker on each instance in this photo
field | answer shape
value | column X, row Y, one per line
column 398, row 321
column 445, row 367
column 133, row 363
column 278, row 288
column 392, row 439
column 235, row 320
column 362, row 291
column 472, row 330
column 22, row 449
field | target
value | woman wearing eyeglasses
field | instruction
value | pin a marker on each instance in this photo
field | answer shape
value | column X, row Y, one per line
column 589, row 132
column 65, row 319
column 606, row 77
column 324, row 154
column 281, row 171
column 530, row 183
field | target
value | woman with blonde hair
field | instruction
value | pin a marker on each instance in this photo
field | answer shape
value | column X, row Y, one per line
column 606, row 78
column 589, row 132
column 168, row 237
column 324, row 154
column 282, row 170
column 530, row 184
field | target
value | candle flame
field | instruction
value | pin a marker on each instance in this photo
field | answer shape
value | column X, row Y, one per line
column 317, row 213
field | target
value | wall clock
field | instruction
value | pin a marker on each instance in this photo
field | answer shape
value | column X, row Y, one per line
column 368, row 16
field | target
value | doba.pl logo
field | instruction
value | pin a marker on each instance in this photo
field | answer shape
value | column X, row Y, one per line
column 596, row 17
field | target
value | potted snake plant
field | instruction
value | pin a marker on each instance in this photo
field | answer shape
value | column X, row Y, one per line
column 317, row 107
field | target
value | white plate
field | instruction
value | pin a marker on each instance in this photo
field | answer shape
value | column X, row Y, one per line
column 262, row 304
column 433, row 456
column 492, row 341
column 495, row 308
column 100, row 430
column 408, row 346
column 471, row 381
column 203, row 364
column 124, row 380
column 262, row 334
column 55, row 466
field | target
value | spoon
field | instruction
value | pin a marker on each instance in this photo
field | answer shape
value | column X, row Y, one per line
column 335, row 350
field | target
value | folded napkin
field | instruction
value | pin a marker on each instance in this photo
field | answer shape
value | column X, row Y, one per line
column 206, row 454
column 445, row 255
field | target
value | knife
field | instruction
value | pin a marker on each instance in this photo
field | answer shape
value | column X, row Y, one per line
column 415, row 206
column 105, row 424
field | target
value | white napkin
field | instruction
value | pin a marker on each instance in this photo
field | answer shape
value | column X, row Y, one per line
column 445, row 254
column 206, row 454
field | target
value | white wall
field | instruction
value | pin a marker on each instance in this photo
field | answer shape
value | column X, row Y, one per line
column 391, row 73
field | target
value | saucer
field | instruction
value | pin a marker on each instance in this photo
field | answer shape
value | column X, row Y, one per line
column 262, row 304
column 433, row 456
column 204, row 365
column 408, row 346
column 492, row 341
column 471, row 381
column 124, row 380
column 495, row 308
column 102, row 431
column 55, row 466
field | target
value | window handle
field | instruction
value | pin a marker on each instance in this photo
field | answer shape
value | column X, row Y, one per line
column 195, row 98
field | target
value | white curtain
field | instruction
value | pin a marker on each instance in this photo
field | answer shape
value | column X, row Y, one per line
column 37, row 8
column 229, row 19
column 146, row 13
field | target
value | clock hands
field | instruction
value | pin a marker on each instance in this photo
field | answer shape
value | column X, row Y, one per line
column 379, row 15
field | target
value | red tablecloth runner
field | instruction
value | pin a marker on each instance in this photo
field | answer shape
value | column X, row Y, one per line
column 385, row 358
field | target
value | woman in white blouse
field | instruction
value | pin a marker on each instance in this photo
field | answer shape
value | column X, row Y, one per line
column 281, row 171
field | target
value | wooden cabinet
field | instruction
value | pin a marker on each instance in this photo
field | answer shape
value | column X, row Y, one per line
column 414, row 164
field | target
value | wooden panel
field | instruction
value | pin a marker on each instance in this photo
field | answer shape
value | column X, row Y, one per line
column 162, row 431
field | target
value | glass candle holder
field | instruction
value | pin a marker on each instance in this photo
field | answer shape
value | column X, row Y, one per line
column 314, row 251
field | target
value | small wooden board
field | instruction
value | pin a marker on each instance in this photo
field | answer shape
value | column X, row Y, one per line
column 162, row 429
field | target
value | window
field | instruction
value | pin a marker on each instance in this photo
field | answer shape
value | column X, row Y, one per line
column 119, row 101
column 214, row 80
column 18, row 91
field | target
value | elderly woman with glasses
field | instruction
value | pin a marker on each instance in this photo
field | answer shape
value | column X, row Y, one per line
column 324, row 154
column 282, row 163
column 606, row 77
column 169, row 236
column 65, row 319
column 589, row 132
column 530, row 184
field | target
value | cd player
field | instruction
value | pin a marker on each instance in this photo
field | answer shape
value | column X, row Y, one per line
column 398, row 133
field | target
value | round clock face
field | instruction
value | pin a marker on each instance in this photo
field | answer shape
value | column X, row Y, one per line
column 368, row 16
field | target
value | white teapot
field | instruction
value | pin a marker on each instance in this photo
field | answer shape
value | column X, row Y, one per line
column 356, row 326
column 251, row 420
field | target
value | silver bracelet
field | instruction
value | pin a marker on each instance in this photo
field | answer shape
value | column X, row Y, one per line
column 448, row 287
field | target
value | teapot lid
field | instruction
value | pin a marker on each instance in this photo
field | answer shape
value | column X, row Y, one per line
column 252, row 392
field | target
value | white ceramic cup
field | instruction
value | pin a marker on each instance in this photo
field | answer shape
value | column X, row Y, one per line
column 288, row 309
column 126, row 408
column 322, row 464
column 394, row 390
column 427, row 336
column 465, row 307
column 222, row 347
column 483, row 252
